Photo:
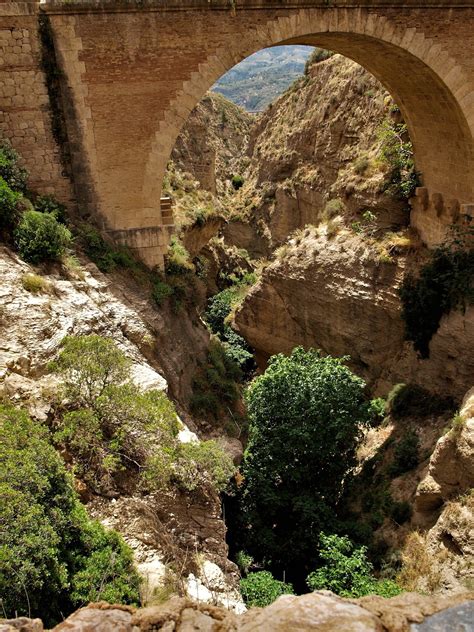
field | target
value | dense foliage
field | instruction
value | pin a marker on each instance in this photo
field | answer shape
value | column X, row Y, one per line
column 216, row 315
column 40, row 237
column 346, row 570
column 215, row 387
column 10, row 171
column 444, row 284
column 306, row 415
column 397, row 152
column 9, row 206
column 114, row 427
column 53, row 558
column 261, row 589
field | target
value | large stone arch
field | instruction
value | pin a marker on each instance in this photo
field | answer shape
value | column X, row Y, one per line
column 426, row 82
column 133, row 73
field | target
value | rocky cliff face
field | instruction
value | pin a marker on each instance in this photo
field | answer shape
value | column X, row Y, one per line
column 316, row 145
column 338, row 294
column 185, row 529
column 212, row 144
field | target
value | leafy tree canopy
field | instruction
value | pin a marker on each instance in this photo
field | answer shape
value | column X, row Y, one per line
column 261, row 589
column 306, row 416
column 53, row 558
column 347, row 571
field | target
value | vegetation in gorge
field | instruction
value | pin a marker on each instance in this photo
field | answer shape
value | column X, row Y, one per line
column 217, row 315
column 260, row 589
column 34, row 226
column 110, row 426
column 444, row 284
column 306, row 417
column 53, row 558
column 215, row 389
column 397, row 152
column 346, row 570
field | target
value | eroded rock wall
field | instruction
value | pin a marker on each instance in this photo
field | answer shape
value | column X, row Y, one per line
column 335, row 293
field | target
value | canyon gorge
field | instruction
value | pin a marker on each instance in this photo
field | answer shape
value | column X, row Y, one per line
column 306, row 226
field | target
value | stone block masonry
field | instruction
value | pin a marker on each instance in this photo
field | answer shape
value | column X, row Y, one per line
column 25, row 112
column 131, row 73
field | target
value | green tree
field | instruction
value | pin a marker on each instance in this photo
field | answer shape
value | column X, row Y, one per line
column 261, row 589
column 306, row 416
column 9, row 201
column 15, row 176
column 53, row 558
column 40, row 237
column 113, row 426
column 347, row 571
column 88, row 364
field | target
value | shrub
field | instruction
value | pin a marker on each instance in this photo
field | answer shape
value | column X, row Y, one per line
column 237, row 350
column 48, row 204
column 52, row 557
column 40, row 237
column 347, row 571
column 177, row 258
column 9, row 206
column 106, row 256
column 244, row 561
column 214, row 387
column 397, row 152
column 377, row 409
column 202, row 463
column 306, row 415
column 160, row 292
column 88, row 365
column 219, row 307
column 261, row 589
column 406, row 454
column 444, row 284
column 114, row 427
column 401, row 512
column 318, row 54
column 360, row 165
column 35, row 283
column 15, row 176
column 237, row 182
column 333, row 208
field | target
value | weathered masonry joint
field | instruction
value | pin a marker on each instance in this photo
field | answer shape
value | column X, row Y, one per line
column 131, row 73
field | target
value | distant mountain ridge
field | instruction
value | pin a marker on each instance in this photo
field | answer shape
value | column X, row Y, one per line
column 261, row 78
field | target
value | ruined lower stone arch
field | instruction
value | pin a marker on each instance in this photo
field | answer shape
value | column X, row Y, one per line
column 426, row 82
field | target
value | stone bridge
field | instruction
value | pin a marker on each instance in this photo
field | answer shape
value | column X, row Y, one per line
column 131, row 71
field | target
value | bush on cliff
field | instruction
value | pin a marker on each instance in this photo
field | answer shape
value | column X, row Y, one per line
column 346, row 570
column 40, row 237
column 10, row 171
column 9, row 206
column 261, row 589
column 444, row 284
column 113, row 427
column 306, row 415
column 53, row 558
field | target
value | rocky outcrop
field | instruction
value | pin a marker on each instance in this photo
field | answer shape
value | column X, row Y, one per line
column 81, row 301
column 213, row 142
column 320, row 611
column 335, row 293
column 318, row 144
column 451, row 468
column 444, row 504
